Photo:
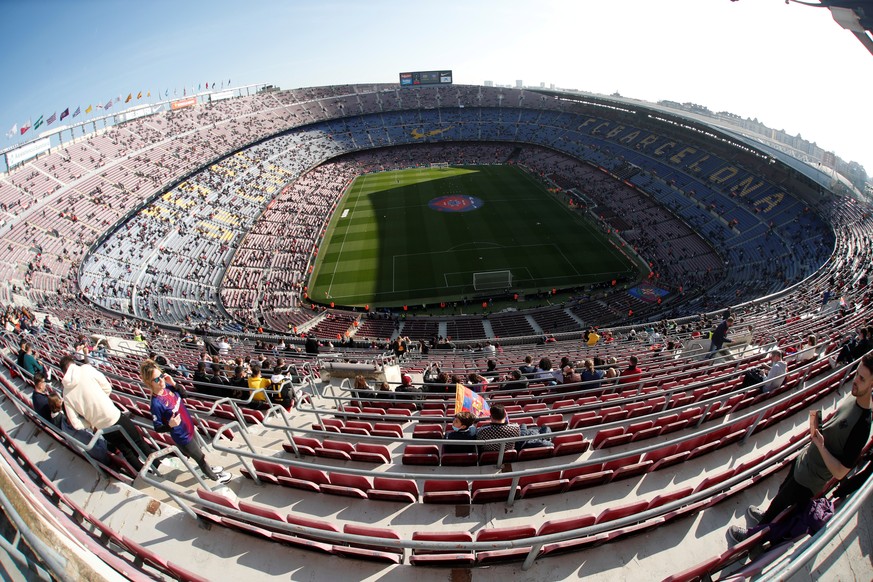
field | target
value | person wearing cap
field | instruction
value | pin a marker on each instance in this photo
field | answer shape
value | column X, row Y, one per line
column 776, row 375
column 406, row 391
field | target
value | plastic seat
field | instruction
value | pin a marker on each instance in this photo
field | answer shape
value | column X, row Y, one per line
column 347, row 485
column 546, row 484
column 375, row 552
column 443, row 557
column 569, row 444
column 332, row 449
column 391, row 489
column 305, row 478
column 454, row 491
column 421, row 455
column 489, row 491
column 305, row 445
column 503, row 534
column 268, row 471
column 371, row 453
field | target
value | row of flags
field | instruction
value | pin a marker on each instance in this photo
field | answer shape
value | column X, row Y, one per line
column 26, row 126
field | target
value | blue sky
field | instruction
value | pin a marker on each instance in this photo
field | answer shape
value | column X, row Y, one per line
column 791, row 67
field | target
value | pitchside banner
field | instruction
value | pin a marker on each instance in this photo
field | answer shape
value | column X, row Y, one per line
column 28, row 151
column 221, row 95
column 466, row 399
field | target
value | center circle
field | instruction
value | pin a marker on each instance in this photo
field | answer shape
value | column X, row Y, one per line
column 456, row 203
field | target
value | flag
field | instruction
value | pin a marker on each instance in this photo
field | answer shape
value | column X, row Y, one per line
column 167, row 92
column 466, row 399
column 149, row 94
column 78, row 111
column 198, row 86
column 139, row 95
column 51, row 119
column 129, row 97
column 24, row 128
column 117, row 99
column 38, row 123
column 12, row 131
column 228, row 82
column 184, row 91
column 108, row 104
column 65, row 113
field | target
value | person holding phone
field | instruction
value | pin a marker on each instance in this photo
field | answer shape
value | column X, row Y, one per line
column 169, row 414
column 834, row 449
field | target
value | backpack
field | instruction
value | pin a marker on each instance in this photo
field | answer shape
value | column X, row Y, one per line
column 752, row 377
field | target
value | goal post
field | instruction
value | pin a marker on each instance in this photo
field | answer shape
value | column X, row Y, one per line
column 492, row 280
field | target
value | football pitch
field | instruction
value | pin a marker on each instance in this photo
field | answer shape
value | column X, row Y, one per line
column 435, row 235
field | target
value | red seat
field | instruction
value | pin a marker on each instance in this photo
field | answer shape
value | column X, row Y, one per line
column 569, row 444
column 305, row 478
column 584, row 418
column 268, row 471
column 555, row 422
column 554, row 526
column 305, row 445
column 490, row 457
column 421, row 455
column 347, row 485
column 544, row 484
column 261, row 511
column 442, row 557
column 490, row 491
column 335, row 450
column 623, row 510
column 454, row 491
column 503, row 534
column 390, row 489
column 389, row 429
column 366, row 551
column 459, row 459
column 427, row 431
column 611, row 437
column 665, row 498
column 371, row 453
column 581, row 480
column 309, row 540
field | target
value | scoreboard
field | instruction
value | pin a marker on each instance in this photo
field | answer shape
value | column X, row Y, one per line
column 425, row 78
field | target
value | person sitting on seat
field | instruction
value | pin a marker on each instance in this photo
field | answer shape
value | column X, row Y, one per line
column 463, row 429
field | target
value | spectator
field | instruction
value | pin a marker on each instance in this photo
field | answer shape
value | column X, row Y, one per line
column 834, row 450
column 28, row 362
column 499, row 428
column 776, row 374
column 528, row 369
column 589, row 374
column 99, row 451
column 516, row 381
column 256, row 381
column 570, row 375
column 361, row 389
column 223, row 346
column 477, row 383
column 546, row 374
column 719, row 337
column 463, row 428
column 238, row 381
column 807, row 351
column 406, row 391
column 311, row 345
column 40, row 398
column 169, row 414
column 86, row 401
column 632, row 373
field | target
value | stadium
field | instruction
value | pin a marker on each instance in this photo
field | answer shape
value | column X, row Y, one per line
column 378, row 230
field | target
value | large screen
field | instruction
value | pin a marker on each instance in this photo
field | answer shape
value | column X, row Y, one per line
column 425, row 78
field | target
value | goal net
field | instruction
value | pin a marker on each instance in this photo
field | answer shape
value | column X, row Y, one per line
column 443, row 165
column 489, row 280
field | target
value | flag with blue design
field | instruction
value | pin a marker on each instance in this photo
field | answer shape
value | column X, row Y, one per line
column 466, row 399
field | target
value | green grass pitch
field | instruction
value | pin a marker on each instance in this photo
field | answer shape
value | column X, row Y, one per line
column 386, row 247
